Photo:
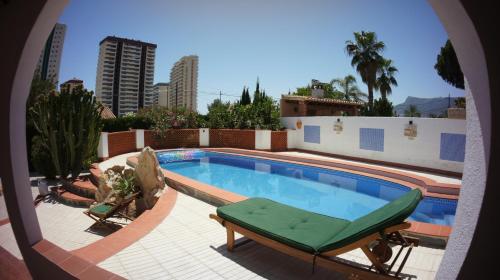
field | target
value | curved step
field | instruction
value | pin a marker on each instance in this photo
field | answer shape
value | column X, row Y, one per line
column 69, row 198
column 95, row 173
column 82, row 186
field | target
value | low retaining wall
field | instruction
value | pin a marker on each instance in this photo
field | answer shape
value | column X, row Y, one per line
column 121, row 143
column 174, row 138
column 117, row 143
column 232, row 138
column 279, row 141
column 432, row 145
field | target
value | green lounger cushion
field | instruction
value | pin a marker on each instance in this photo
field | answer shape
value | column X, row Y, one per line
column 101, row 209
column 391, row 214
column 313, row 232
column 295, row 227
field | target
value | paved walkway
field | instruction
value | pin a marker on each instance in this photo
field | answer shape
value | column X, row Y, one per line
column 189, row 245
column 66, row 226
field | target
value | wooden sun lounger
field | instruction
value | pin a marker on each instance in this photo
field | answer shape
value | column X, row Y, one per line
column 105, row 210
column 382, row 226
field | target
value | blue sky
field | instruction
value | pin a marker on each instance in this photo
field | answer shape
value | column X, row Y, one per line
column 285, row 43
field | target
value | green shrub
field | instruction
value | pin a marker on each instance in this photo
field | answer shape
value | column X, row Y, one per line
column 383, row 108
column 30, row 134
column 219, row 115
column 264, row 114
column 126, row 122
column 40, row 158
column 69, row 125
column 125, row 183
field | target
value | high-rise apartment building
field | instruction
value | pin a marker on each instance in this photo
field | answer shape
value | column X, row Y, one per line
column 125, row 72
column 161, row 92
column 184, row 83
column 50, row 58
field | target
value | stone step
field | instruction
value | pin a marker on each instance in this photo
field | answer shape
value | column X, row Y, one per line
column 66, row 197
column 95, row 173
column 82, row 186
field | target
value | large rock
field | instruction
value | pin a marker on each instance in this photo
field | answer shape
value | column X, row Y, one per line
column 106, row 181
column 149, row 177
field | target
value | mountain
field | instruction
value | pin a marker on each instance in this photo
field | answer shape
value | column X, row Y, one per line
column 426, row 106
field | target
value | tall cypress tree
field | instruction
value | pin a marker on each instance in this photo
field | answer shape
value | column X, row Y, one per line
column 256, row 95
column 245, row 97
column 249, row 100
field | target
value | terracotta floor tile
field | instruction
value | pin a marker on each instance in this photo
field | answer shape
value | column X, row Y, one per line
column 43, row 246
column 57, row 255
column 94, row 253
column 75, row 265
column 94, row 273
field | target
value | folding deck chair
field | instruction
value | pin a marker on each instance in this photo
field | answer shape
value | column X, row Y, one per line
column 105, row 210
column 319, row 239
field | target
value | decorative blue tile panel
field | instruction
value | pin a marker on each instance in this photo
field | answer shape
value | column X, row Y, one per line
column 312, row 133
column 371, row 139
column 452, row 147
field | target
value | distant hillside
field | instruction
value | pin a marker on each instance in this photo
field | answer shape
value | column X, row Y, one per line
column 425, row 106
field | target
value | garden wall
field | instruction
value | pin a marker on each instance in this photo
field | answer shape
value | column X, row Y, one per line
column 428, row 143
column 278, row 141
column 116, row 143
column 121, row 142
column 174, row 138
column 232, row 138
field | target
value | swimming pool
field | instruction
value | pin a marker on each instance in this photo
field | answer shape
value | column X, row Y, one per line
column 324, row 191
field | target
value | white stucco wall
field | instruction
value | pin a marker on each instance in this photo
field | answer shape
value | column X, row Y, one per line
column 102, row 148
column 423, row 150
column 139, row 138
column 290, row 137
column 262, row 139
column 204, row 137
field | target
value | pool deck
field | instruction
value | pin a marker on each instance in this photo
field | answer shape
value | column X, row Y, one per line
column 177, row 240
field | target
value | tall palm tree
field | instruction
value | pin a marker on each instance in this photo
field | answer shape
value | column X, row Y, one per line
column 348, row 88
column 365, row 52
column 387, row 78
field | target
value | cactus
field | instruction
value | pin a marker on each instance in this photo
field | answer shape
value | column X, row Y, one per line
column 70, row 125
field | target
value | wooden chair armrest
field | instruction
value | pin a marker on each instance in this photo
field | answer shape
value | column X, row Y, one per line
column 217, row 218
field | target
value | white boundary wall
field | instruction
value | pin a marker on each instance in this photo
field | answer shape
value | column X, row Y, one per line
column 139, row 139
column 423, row 150
column 262, row 139
column 102, row 148
column 204, row 137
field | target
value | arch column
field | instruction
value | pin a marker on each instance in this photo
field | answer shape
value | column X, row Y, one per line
column 471, row 28
column 25, row 26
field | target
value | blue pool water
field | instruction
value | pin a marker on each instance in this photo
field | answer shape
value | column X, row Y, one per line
column 329, row 192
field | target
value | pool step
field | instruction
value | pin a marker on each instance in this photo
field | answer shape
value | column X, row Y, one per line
column 66, row 197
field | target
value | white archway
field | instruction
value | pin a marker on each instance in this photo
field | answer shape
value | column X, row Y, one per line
column 39, row 16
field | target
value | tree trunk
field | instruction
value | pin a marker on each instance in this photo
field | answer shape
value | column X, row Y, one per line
column 383, row 95
column 370, row 97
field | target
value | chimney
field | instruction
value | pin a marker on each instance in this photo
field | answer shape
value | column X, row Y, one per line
column 317, row 89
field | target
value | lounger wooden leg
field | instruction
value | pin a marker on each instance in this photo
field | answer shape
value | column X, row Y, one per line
column 373, row 258
column 230, row 239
